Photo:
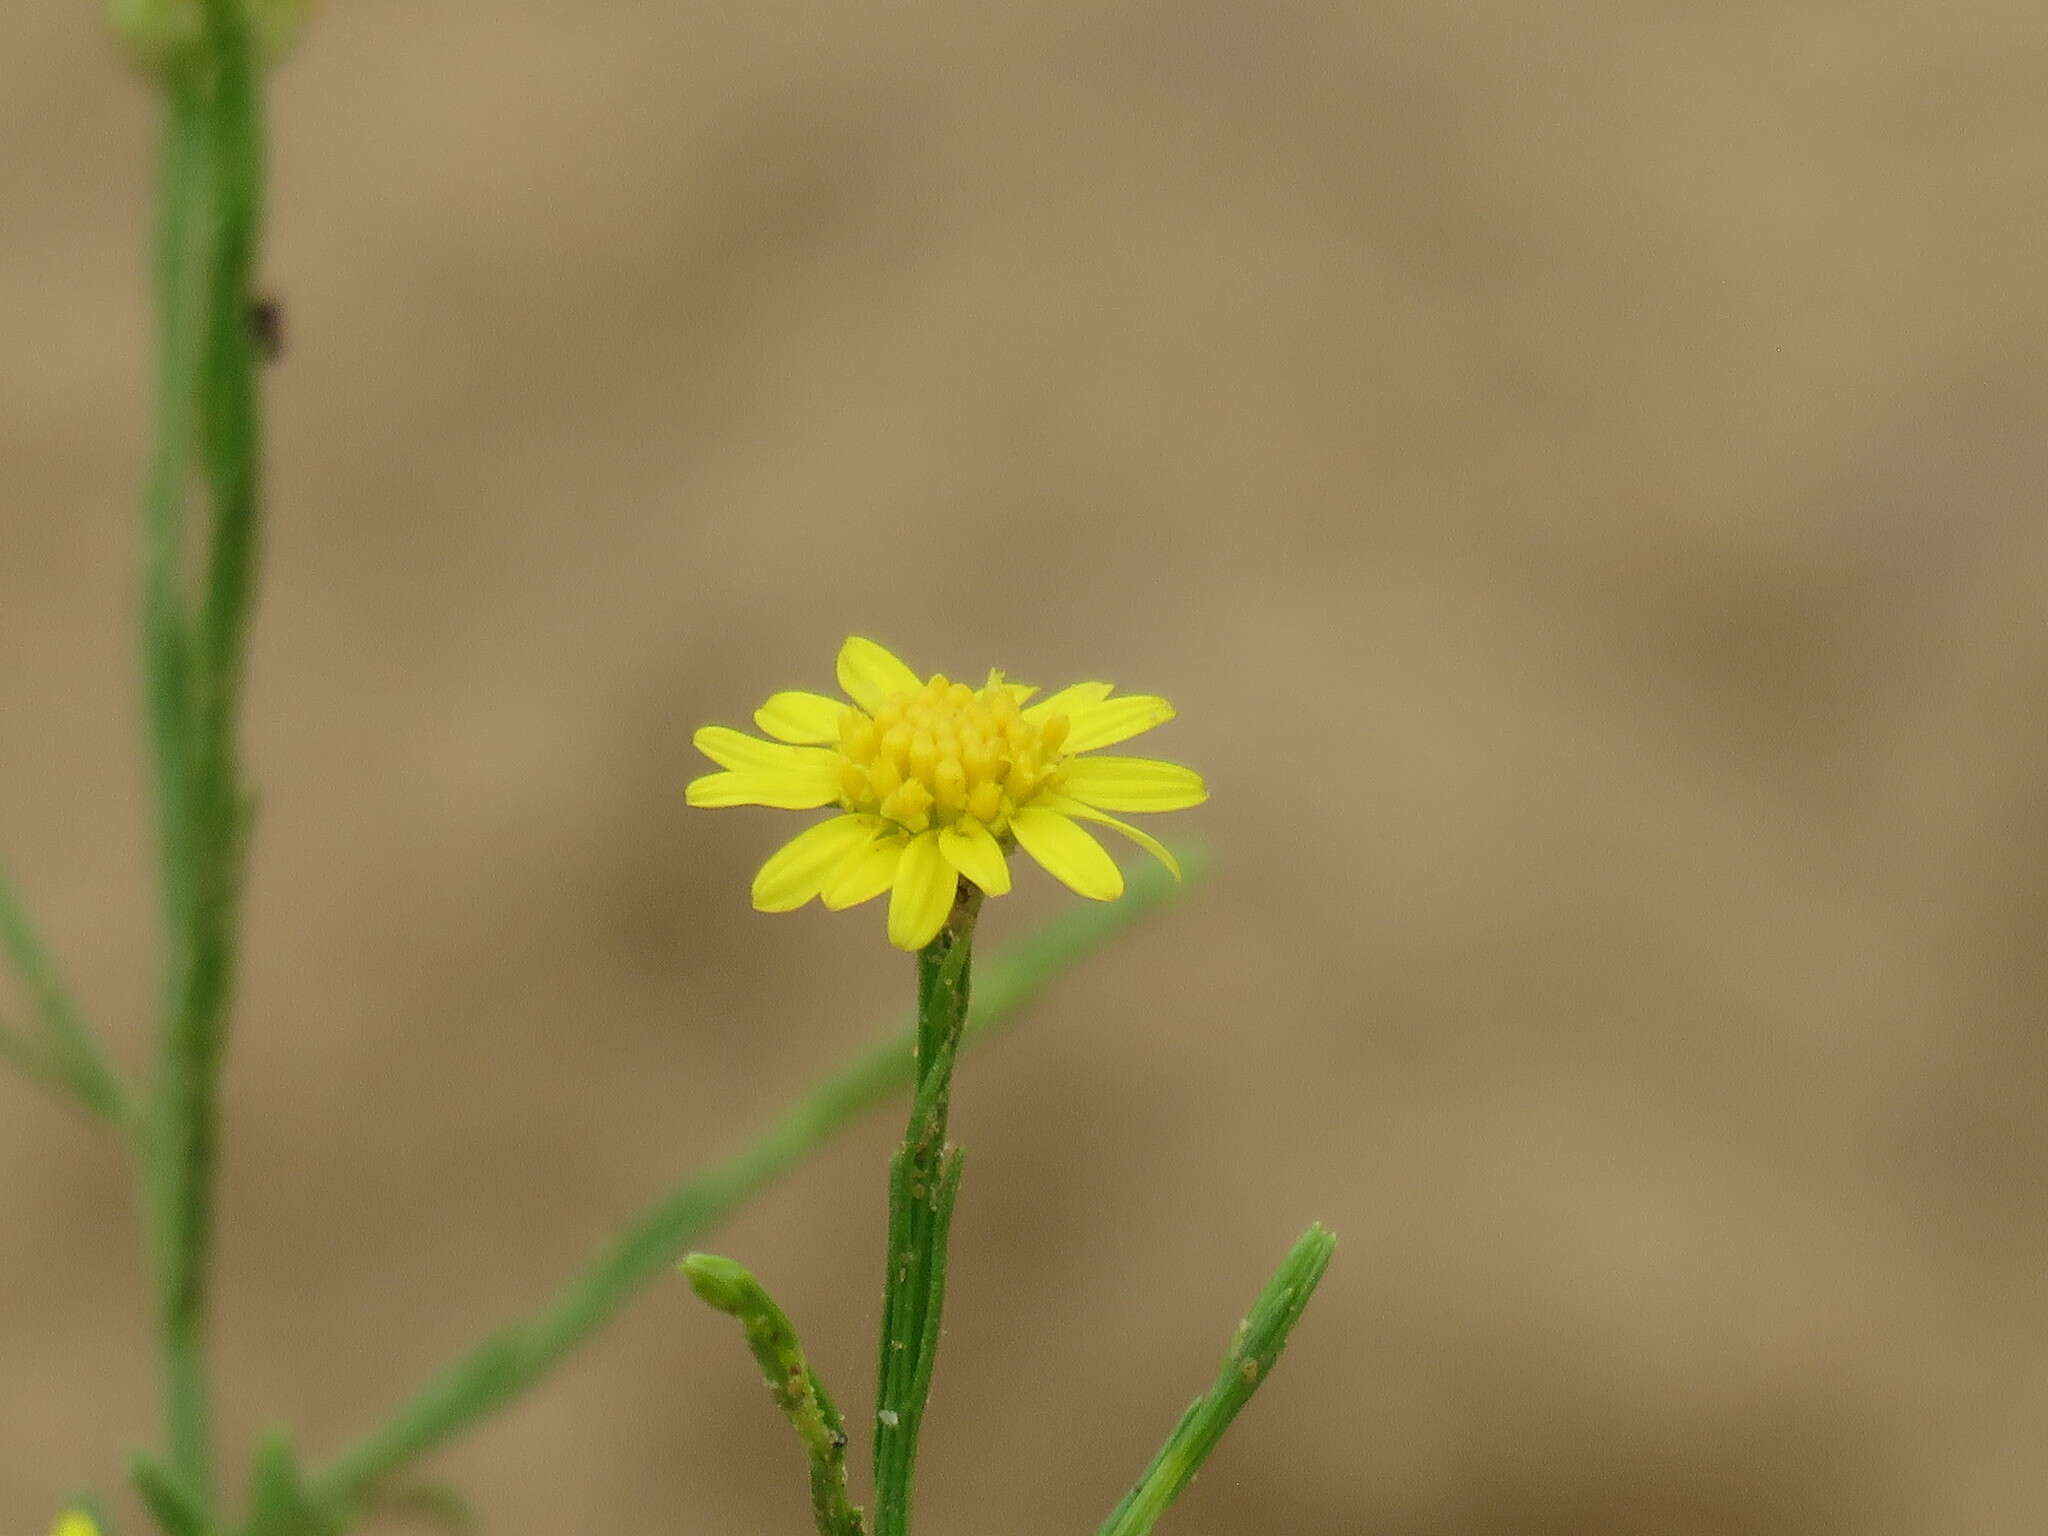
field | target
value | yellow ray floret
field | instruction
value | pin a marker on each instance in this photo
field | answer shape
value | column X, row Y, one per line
column 75, row 1522
column 936, row 781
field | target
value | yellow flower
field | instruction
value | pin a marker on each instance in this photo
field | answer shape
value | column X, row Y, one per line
column 74, row 1522
column 935, row 780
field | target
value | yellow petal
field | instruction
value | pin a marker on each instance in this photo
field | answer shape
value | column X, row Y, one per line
column 800, row 717
column 737, row 750
column 75, row 1522
column 792, row 790
column 1133, row 784
column 923, row 896
column 972, row 849
column 1069, row 699
column 865, row 876
column 798, row 870
column 1114, row 720
column 1068, row 853
column 869, row 673
column 1144, row 840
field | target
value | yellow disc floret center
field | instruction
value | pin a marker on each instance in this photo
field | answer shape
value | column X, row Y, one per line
column 945, row 753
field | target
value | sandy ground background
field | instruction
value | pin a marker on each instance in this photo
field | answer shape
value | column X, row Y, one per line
column 1579, row 471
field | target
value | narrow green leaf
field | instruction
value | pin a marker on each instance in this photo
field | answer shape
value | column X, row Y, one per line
column 68, row 1056
column 1260, row 1338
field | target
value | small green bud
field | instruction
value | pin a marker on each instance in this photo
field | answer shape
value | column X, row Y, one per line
column 721, row 1283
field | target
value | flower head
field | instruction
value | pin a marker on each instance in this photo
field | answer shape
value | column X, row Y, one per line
column 75, row 1522
column 936, row 780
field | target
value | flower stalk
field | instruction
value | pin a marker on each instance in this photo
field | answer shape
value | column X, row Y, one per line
column 924, row 1181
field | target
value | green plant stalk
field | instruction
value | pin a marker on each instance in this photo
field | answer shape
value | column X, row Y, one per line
column 924, row 1180
column 798, row 1392
column 512, row 1360
column 207, row 399
column 67, row 1056
column 1260, row 1338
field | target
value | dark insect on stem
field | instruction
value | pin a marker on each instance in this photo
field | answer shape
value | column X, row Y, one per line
column 266, row 327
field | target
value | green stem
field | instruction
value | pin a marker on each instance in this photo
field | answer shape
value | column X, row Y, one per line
column 179, row 1142
column 207, row 399
column 771, row 1337
column 515, row 1358
column 924, row 1179
column 181, row 300
column 1260, row 1338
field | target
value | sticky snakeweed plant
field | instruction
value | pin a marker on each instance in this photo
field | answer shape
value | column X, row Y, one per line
column 933, row 785
column 936, row 783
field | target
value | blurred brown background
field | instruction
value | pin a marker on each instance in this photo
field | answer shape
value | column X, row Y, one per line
column 1577, row 469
